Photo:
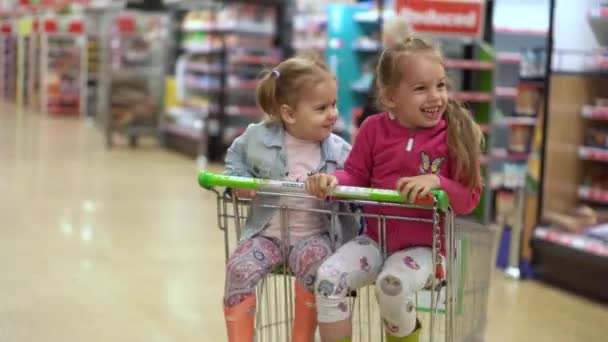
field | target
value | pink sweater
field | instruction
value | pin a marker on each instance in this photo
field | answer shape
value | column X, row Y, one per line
column 385, row 151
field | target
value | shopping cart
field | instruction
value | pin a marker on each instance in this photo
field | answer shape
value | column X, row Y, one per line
column 452, row 309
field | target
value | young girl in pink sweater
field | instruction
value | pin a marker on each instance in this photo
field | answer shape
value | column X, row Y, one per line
column 423, row 141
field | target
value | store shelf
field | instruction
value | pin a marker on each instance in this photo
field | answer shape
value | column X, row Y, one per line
column 510, row 121
column 182, row 131
column 522, row 32
column 508, row 57
column 471, row 96
column 575, row 241
column 201, row 49
column 264, row 60
column 203, row 67
column 368, row 46
column 303, row 45
column 535, row 83
column 468, row 64
column 593, row 153
column 195, row 86
column 199, row 27
column 505, row 155
column 595, row 112
column 250, row 111
column 506, row 92
column 597, row 195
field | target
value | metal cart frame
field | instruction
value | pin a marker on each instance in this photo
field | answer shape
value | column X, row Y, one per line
column 451, row 309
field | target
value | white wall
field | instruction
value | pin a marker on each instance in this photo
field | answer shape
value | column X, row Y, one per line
column 523, row 14
column 572, row 32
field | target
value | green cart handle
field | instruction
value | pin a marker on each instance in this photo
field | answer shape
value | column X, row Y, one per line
column 209, row 180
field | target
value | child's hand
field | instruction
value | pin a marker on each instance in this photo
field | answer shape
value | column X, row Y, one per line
column 417, row 186
column 320, row 185
column 244, row 193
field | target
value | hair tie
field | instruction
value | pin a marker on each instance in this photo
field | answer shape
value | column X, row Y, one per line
column 276, row 73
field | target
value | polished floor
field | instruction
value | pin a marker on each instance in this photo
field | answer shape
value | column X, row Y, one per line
column 122, row 245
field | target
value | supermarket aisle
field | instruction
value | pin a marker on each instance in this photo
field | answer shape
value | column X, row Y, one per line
column 121, row 245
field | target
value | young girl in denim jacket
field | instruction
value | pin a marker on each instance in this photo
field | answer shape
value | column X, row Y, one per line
column 423, row 141
column 299, row 96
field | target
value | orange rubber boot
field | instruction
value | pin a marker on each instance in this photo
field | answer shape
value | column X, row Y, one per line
column 240, row 319
column 305, row 320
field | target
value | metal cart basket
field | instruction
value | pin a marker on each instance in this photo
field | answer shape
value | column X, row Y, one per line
column 452, row 309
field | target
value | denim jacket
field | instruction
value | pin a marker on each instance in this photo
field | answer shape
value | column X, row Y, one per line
column 259, row 153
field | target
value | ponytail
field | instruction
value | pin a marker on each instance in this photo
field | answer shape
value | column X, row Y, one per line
column 266, row 95
column 465, row 141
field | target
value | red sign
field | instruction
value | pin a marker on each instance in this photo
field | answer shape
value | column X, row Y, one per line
column 6, row 28
column 50, row 26
column 76, row 27
column 126, row 24
column 462, row 18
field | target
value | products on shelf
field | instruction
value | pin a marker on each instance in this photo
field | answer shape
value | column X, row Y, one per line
column 135, row 73
column 310, row 31
column 520, row 138
column 130, row 100
column 509, row 176
column 8, row 69
column 597, row 137
column 370, row 42
column 599, row 232
column 595, row 177
column 506, row 208
column 533, row 63
column 64, row 75
column 574, row 221
column 527, row 101
column 247, row 18
column 225, row 50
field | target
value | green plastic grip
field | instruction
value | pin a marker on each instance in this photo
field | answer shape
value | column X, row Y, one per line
column 209, row 180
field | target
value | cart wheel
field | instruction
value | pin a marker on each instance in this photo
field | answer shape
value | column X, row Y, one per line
column 133, row 140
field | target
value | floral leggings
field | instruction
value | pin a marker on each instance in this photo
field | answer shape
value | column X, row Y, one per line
column 359, row 263
column 258, row 256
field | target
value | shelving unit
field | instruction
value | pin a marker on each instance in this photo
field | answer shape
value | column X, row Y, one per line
column 93, row 66
column 8, row 62
column 132, row 74
column 224, row 49
column 34, row 56
column 355, row 26
column 24, row 62
column 63, row 66
column 576, row 169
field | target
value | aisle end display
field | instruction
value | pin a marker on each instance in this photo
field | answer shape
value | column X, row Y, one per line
column 133, row 74
column 8, row 60
column 64, row 66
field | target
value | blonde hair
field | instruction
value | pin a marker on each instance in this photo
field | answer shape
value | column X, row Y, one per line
column 398, row 29
column 465, row 137
column 284, row 83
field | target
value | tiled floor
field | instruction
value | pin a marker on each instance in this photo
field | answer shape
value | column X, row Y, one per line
column 122, row 245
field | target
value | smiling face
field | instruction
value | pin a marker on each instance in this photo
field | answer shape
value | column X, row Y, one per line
column 315, row 113
column 420, row 97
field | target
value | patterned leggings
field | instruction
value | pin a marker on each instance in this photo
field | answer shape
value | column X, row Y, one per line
column 258, row 256
column 359, row 263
